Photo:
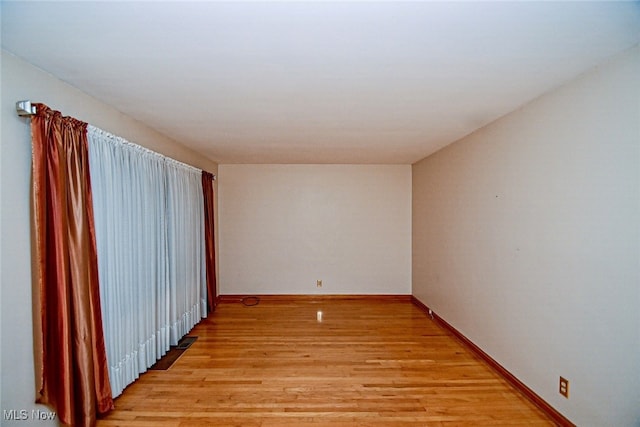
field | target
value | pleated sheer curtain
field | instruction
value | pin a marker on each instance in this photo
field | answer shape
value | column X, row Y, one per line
column 149, row 226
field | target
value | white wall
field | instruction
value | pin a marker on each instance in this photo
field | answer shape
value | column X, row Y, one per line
column 526, row 239
column 285, row 226
column 23, row 81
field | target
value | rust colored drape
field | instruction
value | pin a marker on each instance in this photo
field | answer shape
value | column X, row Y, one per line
column 73, row 377
column 209, row 238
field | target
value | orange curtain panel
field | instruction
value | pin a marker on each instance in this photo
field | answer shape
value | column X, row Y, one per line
column 209, row 239
column 73, row 373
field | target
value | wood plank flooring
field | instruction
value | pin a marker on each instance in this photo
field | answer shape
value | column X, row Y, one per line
column 368, row 362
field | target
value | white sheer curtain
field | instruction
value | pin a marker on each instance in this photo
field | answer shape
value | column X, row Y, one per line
column 149, row 221
column 186, row 249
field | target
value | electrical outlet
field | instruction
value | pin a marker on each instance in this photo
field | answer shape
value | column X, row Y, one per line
column 319, row 283
column 564, row 387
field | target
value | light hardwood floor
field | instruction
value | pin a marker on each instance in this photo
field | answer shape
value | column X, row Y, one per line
column 369, row 362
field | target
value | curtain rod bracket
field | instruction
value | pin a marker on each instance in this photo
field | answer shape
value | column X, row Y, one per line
column 25, row 109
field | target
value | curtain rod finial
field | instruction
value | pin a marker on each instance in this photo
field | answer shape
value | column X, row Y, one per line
column 25, row 109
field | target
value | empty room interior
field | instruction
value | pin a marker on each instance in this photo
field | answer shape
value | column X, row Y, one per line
column 373, row 213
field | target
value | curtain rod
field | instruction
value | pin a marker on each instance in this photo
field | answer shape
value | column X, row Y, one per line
column 26, row 109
